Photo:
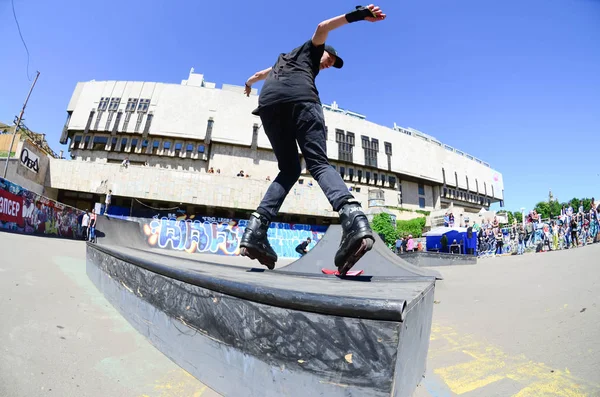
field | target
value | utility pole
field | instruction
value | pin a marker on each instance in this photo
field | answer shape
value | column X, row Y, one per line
column 19, row 124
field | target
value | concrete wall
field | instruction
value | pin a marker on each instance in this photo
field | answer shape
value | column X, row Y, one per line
column 217, row 190
column 183, row 111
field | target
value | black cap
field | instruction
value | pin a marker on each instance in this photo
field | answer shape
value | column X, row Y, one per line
column 339, row 62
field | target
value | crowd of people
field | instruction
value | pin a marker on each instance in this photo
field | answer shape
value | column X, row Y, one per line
column 571, row 229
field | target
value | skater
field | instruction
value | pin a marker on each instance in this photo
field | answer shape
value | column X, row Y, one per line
column 301, row 248
column 290, row 110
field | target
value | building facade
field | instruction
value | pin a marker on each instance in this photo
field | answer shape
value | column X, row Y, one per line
column 187, row 143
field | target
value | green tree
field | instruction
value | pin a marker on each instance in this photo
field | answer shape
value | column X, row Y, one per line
column 382, row 225
column 413, row 226
column 518, row 216
column 543, row 208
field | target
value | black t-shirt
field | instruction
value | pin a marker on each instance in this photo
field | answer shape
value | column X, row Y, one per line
column 292, row 78
column 302, row 245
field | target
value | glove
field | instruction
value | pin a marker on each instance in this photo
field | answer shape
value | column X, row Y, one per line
column 359, row 14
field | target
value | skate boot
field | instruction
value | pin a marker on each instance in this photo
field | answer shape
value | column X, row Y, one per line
column 357, row 237
column 254, row 243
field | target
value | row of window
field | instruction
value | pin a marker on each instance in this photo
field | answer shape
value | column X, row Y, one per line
column 456, row 194
column 369, row 177
column 112, row 104
column 346, row 142
column 117, row 120
column 467, row 181
column 138, row 145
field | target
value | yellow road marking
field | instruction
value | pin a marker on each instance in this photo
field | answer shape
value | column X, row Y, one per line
column 488, row 364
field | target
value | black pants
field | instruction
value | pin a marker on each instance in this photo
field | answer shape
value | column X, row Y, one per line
column 300, row 251
column 304, row 123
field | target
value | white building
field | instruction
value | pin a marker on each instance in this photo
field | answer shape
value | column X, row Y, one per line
column 173, row 134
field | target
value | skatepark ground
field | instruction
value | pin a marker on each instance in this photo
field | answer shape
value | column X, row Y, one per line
column 512, row 326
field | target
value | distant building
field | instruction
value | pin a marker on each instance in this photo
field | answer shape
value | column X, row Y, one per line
column 176, row 135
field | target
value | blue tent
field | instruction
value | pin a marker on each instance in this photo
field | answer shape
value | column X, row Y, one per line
column 433, row 239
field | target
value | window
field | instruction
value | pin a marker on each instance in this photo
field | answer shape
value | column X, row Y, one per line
column 450, row 148
column 114, row 104
column 254, row 144
column 166, row 147
column 148, row 123
column 209, row 128
column 371, row 148
column 138, row 123
column 445, row 193
column 388, row 148
column 76, row 142
column 134, row 143
column 103, row 104
column 345, row 145
column 155, row 146
column 113, row 144
column 444, row 175
column 117, row 120
column 351, row 173
column 421, row 189
column 375, row 178
column 368, row 176
column 99, row 143
column 392, row 181
column 98, row 120
column 126, row 123
column 87, row 142
column 123, row 144
column 145, row 146
column 109, row 120
column 131, row 105
column 178, row 147
column 189, row 148
column 421, row 202
column 143, row 105
column 382, row 179
column 359, row 175
column 342, row 172
column 200, row 148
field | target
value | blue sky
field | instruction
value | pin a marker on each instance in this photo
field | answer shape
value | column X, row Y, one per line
column 515, row 83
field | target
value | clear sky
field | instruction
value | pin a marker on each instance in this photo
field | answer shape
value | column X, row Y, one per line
column 515, row 83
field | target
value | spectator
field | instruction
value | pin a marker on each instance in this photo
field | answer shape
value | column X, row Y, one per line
column 302, row 247
column 92, row 227
column 85, row 222
column 125, row 163
column 211, row 170
column 499, row 242
column 398, row 245
column 241, row 174
column 410, row 244
column 574, row 237
column 107, row 202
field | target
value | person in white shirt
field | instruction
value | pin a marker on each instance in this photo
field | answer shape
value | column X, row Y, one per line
column 85, row 222
column 107, row 202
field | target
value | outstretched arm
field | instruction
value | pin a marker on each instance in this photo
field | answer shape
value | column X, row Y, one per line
column 369, row 13
column 258, row 76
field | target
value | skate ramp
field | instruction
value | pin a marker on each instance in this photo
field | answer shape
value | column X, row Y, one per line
column 254, row 332
column 380, row 261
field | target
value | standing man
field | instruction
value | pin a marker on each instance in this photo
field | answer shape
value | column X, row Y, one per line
column 290, row 110
column 107, row 202
column 85, row 222
column 301, row 248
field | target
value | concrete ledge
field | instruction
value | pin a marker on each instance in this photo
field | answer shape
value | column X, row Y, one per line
column 269, row 334
column 426, row 259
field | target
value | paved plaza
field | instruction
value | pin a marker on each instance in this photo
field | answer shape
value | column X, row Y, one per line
column 512, row 326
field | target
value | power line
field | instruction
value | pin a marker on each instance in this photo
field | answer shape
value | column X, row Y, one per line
column 21, row 35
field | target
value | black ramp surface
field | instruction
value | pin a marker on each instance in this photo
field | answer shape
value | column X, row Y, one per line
column 380, row 261
column 252, row 332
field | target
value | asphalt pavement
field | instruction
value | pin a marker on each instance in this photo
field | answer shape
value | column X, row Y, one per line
column 511, row 326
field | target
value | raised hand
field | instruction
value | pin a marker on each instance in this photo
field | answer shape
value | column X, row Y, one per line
column 378, row 15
